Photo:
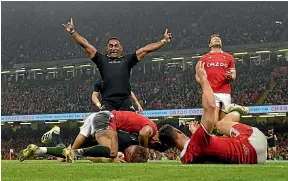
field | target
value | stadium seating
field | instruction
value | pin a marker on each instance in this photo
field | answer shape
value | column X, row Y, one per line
column 198, row 22
column 173, row 89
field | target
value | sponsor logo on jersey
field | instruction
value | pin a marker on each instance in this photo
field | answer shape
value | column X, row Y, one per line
column 114, row 61
column 234, row 132
column 217, row 64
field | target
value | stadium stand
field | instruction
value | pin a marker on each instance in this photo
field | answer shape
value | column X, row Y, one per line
column 196, row 25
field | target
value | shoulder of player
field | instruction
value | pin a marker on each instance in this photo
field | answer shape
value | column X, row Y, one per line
column 99, row 81
column 98, row 55
column 228, row 54
column 203, row 57
column 129, row 55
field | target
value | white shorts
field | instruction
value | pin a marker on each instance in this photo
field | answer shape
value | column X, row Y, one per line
column 96, row 122
column 87, row 129
column 222, row 100
column 259, row 142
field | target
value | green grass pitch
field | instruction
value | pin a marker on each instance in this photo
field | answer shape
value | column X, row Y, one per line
column 152, row 171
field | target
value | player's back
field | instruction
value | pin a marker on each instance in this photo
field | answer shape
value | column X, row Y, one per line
column 132, row 122
column 217, row 64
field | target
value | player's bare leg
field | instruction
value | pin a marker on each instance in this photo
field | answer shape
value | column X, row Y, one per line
column 270, row 153
column 232, row 118
column 109, row 139
column 108, row 146
column 274, row 152
column 222, row 115
column 79, row 141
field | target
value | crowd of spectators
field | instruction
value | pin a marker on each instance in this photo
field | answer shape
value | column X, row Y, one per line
column 164, row 88
column 43, row 38
column 279, row 94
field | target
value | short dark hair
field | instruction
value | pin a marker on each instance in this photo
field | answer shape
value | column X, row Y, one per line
column 113, row 38
column 167, row 135
column 139, row 155
column 212, row 36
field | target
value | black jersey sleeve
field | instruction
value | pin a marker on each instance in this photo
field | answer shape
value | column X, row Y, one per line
column 132, row 60
column 97, row 85
column 98, row 60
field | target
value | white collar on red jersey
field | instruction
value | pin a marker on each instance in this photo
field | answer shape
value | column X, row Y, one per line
column 216, row 52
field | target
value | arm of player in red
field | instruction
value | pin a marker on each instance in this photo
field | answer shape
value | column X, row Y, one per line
column 208, row 102
column 196, row 76
column 231, row 74
column 144, row 135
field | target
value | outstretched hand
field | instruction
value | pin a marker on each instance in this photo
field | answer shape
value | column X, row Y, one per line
column 69, row 26
column 167, row 35
column 200, row 70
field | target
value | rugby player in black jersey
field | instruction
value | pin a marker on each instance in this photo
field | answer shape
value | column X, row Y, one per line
column 114, row 68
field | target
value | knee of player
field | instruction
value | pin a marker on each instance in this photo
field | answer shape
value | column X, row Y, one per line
column 218, row 124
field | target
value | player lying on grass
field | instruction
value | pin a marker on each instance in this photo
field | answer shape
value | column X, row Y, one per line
column 242, row 145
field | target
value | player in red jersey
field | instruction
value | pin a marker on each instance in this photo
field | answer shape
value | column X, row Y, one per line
column 103, row 127
column 220, row 68
column 241, row 145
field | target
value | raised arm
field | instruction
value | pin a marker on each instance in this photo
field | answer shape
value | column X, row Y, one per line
column 90, row 49
column 208, row 102
column 153, row 46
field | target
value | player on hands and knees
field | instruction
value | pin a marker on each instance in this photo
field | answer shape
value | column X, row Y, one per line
column 115, row 69
column 127, row 121
column 220, row 68
column 243, row 144
column 98, row 90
